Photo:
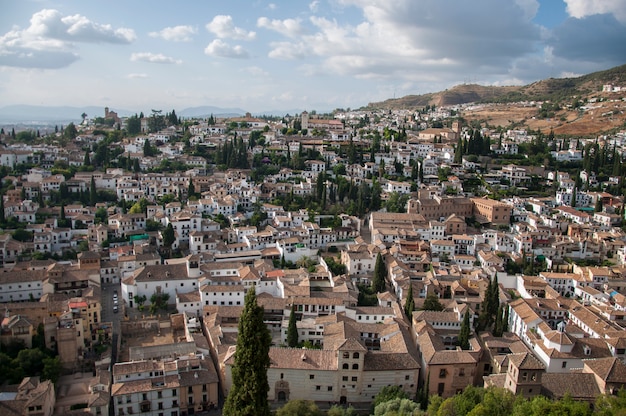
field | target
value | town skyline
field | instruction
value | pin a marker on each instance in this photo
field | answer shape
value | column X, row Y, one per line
column 278, row 56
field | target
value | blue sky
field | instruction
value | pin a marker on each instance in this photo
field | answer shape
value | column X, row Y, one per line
column 282, row 55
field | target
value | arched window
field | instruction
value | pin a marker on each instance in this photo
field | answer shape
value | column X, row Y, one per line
column 346, row 366
column 355, row 366
column 355, row 355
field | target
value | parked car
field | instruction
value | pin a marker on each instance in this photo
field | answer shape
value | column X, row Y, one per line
column 115, row 309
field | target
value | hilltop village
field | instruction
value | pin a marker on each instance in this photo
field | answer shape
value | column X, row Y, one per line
column 414, row 248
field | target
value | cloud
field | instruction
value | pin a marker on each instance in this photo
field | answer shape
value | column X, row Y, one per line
column 599, row 38
column 272, row 6
column 288, row 27
column 417, row 41
column 314, row 5
column 256, row 71
column 175, row 33
column 584, row 8
column 223, row 27
column 50, row 40
column 222, row 49
column 153, row 58
column 137, row 76
column 287, row 50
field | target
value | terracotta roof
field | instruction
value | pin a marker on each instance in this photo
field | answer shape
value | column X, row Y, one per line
column 581, row 386
column 609, row 369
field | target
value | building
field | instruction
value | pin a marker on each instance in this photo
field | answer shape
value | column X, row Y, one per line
column 491, row 211
column 33, row 398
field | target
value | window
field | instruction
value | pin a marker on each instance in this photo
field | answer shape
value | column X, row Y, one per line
column 354, row 378
column 346, row 355
column 355, row 355
column 330, row 388
column 346, row 366
column 461, row 372
column 406, row 377
column 159, row 395
column 190, row 390
column 311, row 376
column 355, row 366
column 442, row 373
column 144, row 396
column 160, row 405
column 564, row 364
column 318, row 387
column 174, row 392
column 344, row 378
column 204, row 387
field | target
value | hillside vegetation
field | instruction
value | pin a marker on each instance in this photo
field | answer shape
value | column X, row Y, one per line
column 548, row 89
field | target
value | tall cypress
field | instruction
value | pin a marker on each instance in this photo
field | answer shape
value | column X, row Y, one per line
column 292, row 329
column 464, row 334
column 409, row 304
column 93, row 193
column 378, row 283
column 248, row 393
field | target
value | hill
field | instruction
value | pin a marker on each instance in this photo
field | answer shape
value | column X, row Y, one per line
column 552, row 89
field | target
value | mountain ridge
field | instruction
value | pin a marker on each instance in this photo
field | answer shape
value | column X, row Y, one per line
column 547, row 89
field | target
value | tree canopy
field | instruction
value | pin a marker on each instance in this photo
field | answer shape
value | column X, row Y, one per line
column 248, row 393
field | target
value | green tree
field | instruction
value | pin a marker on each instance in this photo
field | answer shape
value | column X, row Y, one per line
column 133, row 125
column 431, row 303
column 336, row 410
column 148, row 150
column 598, row 207
column 169, row 236
column 409, row 304
column 299, row 408
column 464, row 333
column 248, row 394
column 70, row 132
column 292, row 329
column 398, row 407
column 87, row 159
column 379, row 283
column 51, row 369
column 93, row 192
column 388, row 393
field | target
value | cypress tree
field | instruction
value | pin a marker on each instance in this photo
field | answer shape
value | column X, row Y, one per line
column 93, row 193
column 380, row 274
column 465, row 332
column 409, row 304
column 505, row 320
column 497, row 327
column 248, row 394
column 292, row 329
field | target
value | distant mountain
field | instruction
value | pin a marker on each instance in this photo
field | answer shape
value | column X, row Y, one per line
column 61, row 114
column 548, row 89
column 207, row 110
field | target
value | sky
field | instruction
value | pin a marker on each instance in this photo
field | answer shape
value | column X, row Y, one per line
column 319, row 55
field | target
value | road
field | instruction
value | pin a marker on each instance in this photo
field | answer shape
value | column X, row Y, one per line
column 107, row 312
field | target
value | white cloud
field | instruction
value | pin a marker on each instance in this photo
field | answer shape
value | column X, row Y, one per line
column 50, row 40
column 417, row 41
column 256, row 71
column 272, row 6
column 287, row 27
column 314, row 5
column 583, row 8
column 137, row 76
column 153, row 58
column 222, row 49
column 223, row 27
column 175, row 33
column 287, row 50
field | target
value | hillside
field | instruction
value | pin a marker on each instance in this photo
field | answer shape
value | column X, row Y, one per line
column 548, row 89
